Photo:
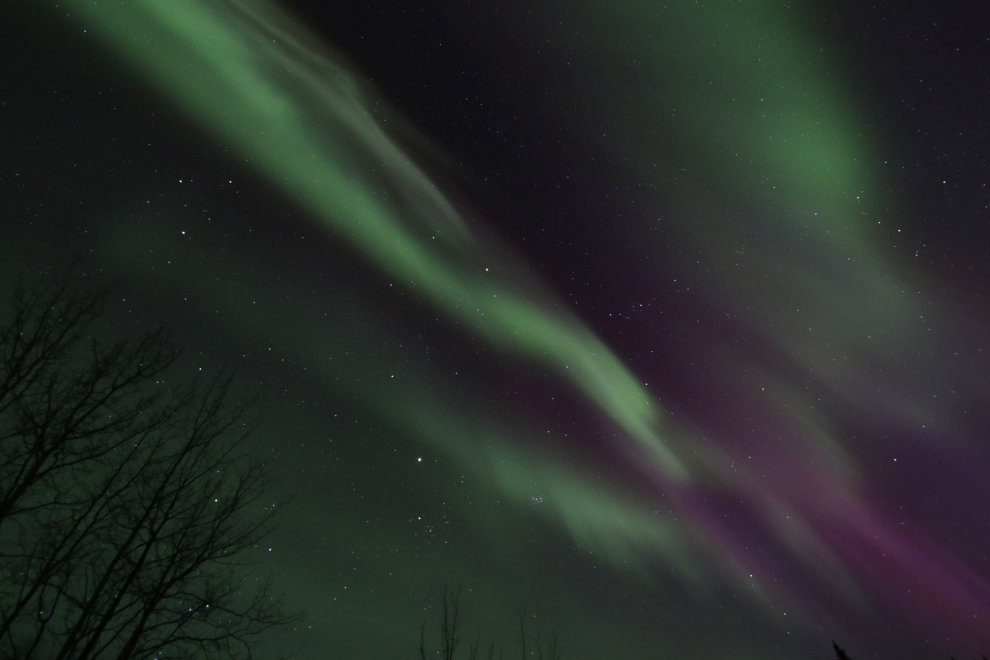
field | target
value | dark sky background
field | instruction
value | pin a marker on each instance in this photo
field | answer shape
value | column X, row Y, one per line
column 665, row 321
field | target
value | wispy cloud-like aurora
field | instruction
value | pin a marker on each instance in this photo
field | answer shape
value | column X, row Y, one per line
column 267, row 89
column 271, row 93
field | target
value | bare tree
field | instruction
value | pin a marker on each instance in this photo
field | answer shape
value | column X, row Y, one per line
column 450, row 634
column 127, row 501
column 553, row 652
column 521, row 612
column 450, row 625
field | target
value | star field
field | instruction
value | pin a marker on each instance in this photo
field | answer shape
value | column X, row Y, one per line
column 667, row 322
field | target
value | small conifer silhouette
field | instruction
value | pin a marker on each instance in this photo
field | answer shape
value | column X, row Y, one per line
column 839, row 653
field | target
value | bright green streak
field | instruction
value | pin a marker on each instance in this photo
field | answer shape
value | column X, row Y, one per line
column 266, row 90
column 299, row 118
column 767, row 122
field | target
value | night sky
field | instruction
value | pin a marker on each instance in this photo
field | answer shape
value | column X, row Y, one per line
column 667, row 321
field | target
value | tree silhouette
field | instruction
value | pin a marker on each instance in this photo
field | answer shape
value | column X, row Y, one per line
column 450, row 634
column 127, row 497
column 839, row 653
column 450, row 629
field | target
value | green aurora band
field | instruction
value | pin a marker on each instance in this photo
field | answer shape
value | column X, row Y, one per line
column 769, row 127
column 275, row 95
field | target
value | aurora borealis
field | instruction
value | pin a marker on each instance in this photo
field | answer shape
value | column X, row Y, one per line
column 665, row 321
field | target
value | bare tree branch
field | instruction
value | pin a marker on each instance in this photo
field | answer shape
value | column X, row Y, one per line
column 450, row 637
column 522, row 631
column 127, row 501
